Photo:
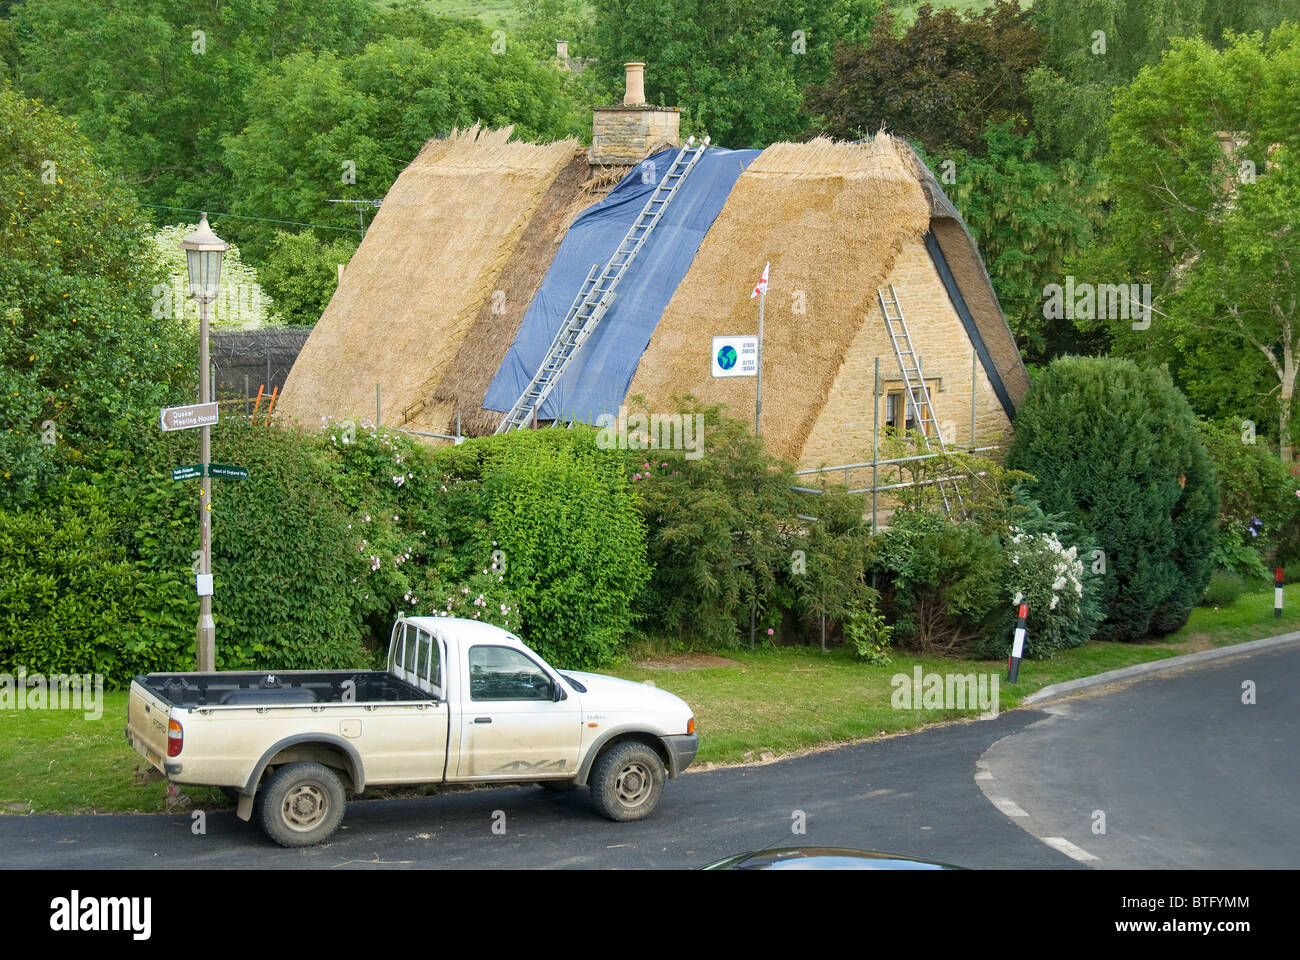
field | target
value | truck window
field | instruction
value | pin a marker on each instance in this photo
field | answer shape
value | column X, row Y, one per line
column 500, row 673
column 412, row 634
column 425, row 642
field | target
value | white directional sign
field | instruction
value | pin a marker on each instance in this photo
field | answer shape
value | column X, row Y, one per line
column 735, row 356
column 186, row 418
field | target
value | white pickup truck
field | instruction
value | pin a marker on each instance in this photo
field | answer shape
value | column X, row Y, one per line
column 461, row 702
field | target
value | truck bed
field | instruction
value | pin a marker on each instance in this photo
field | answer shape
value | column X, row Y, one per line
column 289, row 688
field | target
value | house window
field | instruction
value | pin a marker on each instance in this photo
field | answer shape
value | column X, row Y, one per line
column 898, row 412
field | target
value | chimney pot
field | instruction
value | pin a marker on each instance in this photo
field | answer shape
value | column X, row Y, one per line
column 635, row 92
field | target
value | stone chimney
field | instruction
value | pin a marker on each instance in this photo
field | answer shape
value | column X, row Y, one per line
column 631, row 131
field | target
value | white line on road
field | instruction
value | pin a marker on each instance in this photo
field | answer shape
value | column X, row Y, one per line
column 1069, row 849
column 1008, row 806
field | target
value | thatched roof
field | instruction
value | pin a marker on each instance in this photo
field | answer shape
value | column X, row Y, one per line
column 419, row 280
column 831, row 217
column 952, row 246
column 467, row 379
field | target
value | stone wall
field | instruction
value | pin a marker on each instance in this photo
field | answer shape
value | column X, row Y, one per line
column 842, row 434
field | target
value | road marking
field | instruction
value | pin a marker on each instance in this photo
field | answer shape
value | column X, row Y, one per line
column 1008, row 806
column 1069, row 849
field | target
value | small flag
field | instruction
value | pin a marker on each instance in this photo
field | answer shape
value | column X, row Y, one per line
column 762, row 283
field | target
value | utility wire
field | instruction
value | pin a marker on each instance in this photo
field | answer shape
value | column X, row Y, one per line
column 237, row 216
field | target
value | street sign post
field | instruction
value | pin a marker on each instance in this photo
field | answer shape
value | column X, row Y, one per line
column 227, row 471
column 188, row 417
column 187, row 473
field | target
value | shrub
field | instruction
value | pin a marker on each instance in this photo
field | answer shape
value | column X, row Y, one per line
column 573, row 545
column 71, row 598
column 300, row 274
column 1115, row 449
column 719, row 529
column 866, row 632
column 1224, row 588
column 943, row 581
column 1259, row 516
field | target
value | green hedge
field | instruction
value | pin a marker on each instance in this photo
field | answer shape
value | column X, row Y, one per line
column 1115, row 449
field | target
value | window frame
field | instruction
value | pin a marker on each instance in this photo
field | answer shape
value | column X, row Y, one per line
column 469, row 678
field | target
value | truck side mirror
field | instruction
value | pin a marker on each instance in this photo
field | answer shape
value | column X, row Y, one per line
column 557, row 693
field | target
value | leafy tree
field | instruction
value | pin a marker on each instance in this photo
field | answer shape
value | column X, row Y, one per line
column 1212, row 225
column 941, row 82
column 325, row 126
column 1028, row 218
column 1094, row 47
column 301, row 274
column 738, row 69
column 1115, row 450
column 157, row 83
column 83, row 365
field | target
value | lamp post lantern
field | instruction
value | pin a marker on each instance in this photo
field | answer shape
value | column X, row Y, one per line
column 203, row 252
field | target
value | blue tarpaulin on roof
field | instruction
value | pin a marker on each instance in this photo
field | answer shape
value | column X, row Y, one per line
column 597, row 379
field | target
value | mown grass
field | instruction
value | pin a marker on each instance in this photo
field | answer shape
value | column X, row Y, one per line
column 772, row 701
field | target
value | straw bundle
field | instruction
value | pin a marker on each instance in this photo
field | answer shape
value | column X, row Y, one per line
column 429, row 262
column 831, row 217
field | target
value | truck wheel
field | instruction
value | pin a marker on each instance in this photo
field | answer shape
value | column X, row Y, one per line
column 301, row 804
column 627, row 780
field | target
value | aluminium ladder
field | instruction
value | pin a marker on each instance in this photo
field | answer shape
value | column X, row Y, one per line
column 917, row 393
column 598, row 291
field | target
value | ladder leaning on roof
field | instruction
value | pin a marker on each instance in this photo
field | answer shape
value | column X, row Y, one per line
column 918, row 395
column 598, row 291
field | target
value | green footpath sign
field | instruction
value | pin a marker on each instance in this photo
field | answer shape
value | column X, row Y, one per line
column 227, row 471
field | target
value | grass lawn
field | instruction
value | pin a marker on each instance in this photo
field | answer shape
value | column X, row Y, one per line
column 771, row 702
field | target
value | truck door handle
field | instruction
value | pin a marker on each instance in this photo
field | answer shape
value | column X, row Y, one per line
column 482, row 719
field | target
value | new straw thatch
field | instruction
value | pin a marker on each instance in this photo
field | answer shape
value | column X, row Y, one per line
column 467, row 379
column 832, row 218
column 428, row 264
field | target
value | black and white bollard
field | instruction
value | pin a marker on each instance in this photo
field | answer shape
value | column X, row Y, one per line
column 1277, row 591
column 1017, row 644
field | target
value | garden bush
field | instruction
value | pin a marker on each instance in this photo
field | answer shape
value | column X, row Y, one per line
column 719, row 527
column 942, row 582
column 572, row 544
column 1115, row 449
column 1224, row 588
column 1050, row 567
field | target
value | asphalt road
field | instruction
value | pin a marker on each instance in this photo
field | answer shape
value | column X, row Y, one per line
column 914, row 795
column 1180, row 771
column 1184, row 772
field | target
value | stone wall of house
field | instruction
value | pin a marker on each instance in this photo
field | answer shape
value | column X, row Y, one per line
column 627, row 134
column 843, row 432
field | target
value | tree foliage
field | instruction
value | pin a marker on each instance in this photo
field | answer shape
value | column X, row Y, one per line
column 327, row 126
column 1028, row 218
column 738, row 69
column 300, row 273
column 83, row 364
column 1211, row 223
column 941, row 82
column 1114, row 449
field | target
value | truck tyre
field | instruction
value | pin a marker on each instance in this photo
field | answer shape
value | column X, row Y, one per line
column 301, row 804
column 627, row 780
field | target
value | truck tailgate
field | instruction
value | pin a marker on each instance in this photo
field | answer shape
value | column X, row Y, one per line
column 146, row 724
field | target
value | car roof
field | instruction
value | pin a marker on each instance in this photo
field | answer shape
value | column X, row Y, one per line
column 474, row 631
